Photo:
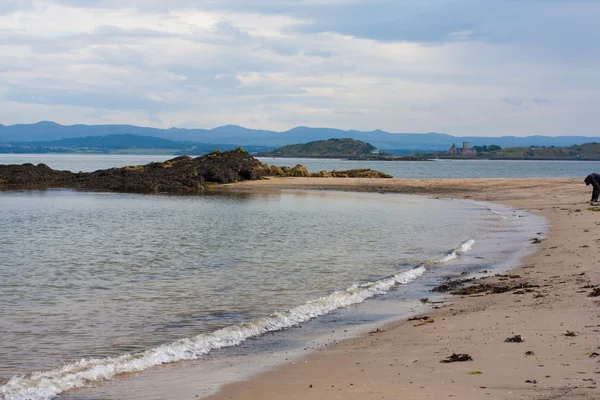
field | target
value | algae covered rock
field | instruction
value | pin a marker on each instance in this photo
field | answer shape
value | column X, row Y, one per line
column 180, row 174
column 297, row 171
column 359, row 173
column 321, row 174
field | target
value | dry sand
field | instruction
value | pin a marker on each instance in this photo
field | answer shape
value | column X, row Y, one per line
column 403, row 360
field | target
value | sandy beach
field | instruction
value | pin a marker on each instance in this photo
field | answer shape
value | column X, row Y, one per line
column 555, row 316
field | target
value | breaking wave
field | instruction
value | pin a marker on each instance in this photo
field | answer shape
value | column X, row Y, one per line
column 465, row 247
column 46, row 385
column 498, row 213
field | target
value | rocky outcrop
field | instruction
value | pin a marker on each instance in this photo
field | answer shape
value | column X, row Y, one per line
column 179, row 175
column 359, row 173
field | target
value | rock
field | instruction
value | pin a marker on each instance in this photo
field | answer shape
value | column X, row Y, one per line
column 181, row 174
column 359, row 173
column 297, row 171
column 275, row 170
column 321, row 174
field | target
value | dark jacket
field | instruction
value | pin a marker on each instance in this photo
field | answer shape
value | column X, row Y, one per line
column 593, row 179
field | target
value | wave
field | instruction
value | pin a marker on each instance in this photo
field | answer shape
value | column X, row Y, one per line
column 498, row 213
column 465, row 247
column 46, row 385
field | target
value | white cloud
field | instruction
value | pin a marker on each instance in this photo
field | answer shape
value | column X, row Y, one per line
column 455, row 66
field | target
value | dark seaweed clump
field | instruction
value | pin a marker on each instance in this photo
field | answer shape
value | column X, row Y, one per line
column 457, row 358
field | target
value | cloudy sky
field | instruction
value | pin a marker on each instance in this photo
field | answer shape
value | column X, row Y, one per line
column 465, row 67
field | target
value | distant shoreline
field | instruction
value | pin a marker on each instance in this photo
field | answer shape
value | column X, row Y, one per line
column 161, row 152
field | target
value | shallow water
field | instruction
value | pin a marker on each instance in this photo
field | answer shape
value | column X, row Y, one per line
column 98, row 276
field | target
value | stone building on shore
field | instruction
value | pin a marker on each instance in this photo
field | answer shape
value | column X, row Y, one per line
column 464, row 151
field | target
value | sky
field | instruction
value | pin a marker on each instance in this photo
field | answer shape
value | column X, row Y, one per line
column 464, row 67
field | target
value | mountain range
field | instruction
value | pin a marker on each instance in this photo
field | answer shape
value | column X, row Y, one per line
column 237, row 135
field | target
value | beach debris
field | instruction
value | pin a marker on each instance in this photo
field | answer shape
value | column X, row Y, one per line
column 509, row 276
column 523, row 292
column 429, row 321
column 529, row 353
column 457, row 358
column 492, row 288
column 570, row 334
column 421, row 318
column 514, row 339
column 375, row 331
column 536, row 241
column 590, row 286
column 595, row 292
column 475, row 373
column 451, row 285
column 424, row 300
column 533, row 381
column 594, row 355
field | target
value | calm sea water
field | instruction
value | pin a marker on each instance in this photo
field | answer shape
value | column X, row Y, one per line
column 96, row 284
column 404, row 169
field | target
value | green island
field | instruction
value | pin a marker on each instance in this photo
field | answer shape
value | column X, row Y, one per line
column 331, row 148
column 582, row 152
column 335, row 148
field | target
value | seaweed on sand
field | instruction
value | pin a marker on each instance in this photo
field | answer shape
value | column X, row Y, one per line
column 451, row 285
column 457, row 358
column 492, row 288
column 515, row 339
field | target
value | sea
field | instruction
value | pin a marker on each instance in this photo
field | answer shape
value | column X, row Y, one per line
column 436, row 168
column 132, row 296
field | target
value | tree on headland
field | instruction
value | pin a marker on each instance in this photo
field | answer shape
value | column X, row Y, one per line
column 487, row 149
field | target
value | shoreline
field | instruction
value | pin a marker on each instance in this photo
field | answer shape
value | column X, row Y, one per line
column 404, row 358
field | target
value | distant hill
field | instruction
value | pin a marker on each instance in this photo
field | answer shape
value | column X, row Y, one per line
column 331, row 148
column 240, row 136
column 125, row 143
column 112, row 142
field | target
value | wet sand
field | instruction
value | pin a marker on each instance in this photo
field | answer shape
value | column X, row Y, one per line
column 557, row 319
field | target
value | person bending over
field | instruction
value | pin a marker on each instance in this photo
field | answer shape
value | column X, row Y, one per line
column 594, row 180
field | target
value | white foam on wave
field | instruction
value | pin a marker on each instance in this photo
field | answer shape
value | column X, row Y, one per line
column 465, row 247
column 498, row 213
column 47, row 385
